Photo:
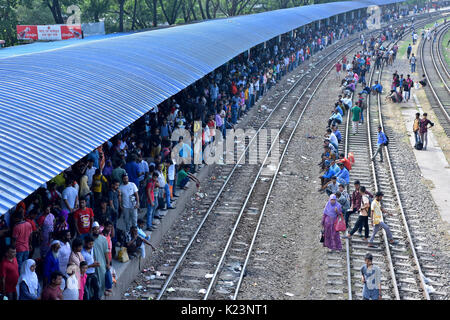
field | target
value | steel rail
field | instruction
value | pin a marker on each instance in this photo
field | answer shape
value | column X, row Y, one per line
column 399, row 201
column 433, row 59
column 397, row 194
column 374, row 175
column 439, row 46
column 275, row 176
column 268, row 196
column 188, row 246
column 422, row 53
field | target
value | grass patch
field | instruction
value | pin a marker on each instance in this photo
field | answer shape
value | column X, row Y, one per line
column 445, row 49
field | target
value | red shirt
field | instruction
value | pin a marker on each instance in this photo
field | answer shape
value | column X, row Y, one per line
column 21, row 233
column 83, row 219
column 33, row 224
column 10, row 271
column 151, row 187
column 347, row 164
column 52, row 293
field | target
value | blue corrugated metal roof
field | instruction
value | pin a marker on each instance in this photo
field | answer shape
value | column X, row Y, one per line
column 58, row 105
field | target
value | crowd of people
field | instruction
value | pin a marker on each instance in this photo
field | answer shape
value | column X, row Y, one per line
column 336, row 167
column 59, row 242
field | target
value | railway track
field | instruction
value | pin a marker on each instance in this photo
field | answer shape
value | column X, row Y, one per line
column 214, row 254
column 435, row 69
column 210, row 261
column 401, row 264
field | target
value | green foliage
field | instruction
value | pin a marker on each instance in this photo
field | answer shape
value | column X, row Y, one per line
column 8, row 21
column 135, row 14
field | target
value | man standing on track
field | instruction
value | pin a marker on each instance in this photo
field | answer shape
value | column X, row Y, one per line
column 371, row 277
column 377, row 220
column 382, row 141
column 356, row 116
column 338, row 69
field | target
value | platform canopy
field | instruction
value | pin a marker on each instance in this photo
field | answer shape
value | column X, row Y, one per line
column 59, row 104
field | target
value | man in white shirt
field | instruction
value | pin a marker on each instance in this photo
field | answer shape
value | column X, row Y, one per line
column 129, row 202
column 90, row 171
column 65, row 251
column 171, row 176
column 347, row 101
column 69, row 199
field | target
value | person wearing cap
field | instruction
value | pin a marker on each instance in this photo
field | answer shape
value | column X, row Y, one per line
column 371, row 277
column 377, row 220
column 51, row 262
column 342, row 176
column 101, row 254
column 382, row 140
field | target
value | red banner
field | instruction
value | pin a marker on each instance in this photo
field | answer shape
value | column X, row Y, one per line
column 70, row 31
column 49, row 32
column 27, row 32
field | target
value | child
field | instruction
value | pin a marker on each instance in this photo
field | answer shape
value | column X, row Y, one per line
column 71, row 292
column 83, row 277
column 107, row 232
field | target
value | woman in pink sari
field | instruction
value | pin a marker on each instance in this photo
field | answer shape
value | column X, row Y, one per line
column 47, row 224
column 332, row 239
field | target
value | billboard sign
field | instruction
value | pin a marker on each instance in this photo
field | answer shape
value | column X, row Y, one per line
column 49, row 32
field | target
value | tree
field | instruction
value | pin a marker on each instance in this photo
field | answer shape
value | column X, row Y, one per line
column 96, row 8
column 8, row 21
column 170, row 9
column 55, row 8
column 153, row 6
column 121, row 12
column 237, row 7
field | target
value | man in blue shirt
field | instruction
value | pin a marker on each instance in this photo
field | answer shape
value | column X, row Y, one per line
column 337, row 133
column 339, row 109
column 332, row 170
column 377, row 88
column 343, row 176
column 132, row 169
column 335, row 118
column 382, row 140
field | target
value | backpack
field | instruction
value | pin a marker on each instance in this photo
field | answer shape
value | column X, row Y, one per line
column 419, row 145
column 387, row 140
